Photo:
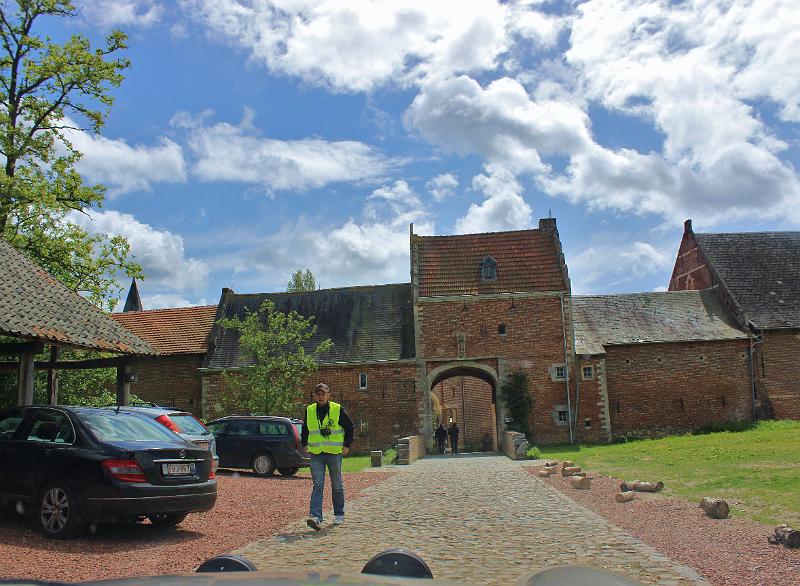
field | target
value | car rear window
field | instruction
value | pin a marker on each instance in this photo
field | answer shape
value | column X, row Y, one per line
column 125, row 427
column 188, row 424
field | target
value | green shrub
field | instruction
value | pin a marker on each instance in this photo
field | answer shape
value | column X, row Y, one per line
column 732, row 426
column 389, row 456
column 533, row 453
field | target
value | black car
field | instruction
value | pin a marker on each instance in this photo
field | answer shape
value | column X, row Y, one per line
column 71, row 466
column 263, row 443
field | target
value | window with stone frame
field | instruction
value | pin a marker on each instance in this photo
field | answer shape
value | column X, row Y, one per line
column 562, row 415
column 587, row 372
column 362, row 381
column 488, row 269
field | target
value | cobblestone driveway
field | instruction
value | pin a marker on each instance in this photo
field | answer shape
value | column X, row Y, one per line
column 483, row 520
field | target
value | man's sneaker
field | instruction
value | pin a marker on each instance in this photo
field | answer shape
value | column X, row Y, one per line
column 338, row 520
column 314, row 523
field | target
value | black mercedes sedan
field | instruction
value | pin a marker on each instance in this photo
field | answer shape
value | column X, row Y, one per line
column 72, row 466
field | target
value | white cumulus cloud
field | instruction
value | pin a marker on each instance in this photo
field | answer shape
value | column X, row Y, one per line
column 160, row 252
column 239, row 153
column 504, row 207
column 442, row 186
column 109, row 13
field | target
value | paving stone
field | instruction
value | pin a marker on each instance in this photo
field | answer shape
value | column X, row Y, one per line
column 483, row 520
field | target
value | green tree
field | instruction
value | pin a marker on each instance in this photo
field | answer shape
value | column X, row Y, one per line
column 46, row 91
column 518, row 402
column 302, row 280
column 275, row 364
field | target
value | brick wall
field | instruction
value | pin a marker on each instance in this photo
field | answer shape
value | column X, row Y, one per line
column 532, row 343
column 777, row 372
column 591, row 408
column 659, row 389
column 468, row 401
column 170, row 380
column 382, row 413
column 690, row 272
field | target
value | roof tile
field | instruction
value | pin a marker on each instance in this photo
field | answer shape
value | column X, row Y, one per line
column 181, row 330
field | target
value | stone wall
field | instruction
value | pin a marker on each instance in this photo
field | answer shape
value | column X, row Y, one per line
column 170, row 380
column 386, row 410
column 519, row 333
column 410, row 448
column 777, row 372
column 659, row 389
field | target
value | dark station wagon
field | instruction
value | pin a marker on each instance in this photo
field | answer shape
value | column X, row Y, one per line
column 262, row 443
column 72, row 466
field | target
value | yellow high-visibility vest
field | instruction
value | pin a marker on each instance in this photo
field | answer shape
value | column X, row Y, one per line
column 318, row 443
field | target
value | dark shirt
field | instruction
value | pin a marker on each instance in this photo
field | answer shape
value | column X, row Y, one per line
column 441, row 433
column 344, row 421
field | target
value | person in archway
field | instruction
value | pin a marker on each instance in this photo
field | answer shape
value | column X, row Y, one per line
column 453, row 433
column 441, row 437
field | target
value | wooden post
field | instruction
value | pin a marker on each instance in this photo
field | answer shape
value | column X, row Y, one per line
column 123, row 386
column 52, row 377
column 25, row 378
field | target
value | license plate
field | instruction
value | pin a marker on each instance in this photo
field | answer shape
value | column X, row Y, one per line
column 178, row 469
column 204, row 445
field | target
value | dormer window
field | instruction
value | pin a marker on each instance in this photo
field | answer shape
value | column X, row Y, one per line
column 488, row 269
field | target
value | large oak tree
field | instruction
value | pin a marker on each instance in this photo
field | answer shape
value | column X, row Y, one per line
column 48, row 90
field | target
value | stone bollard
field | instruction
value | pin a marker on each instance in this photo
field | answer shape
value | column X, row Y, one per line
column 376, row 456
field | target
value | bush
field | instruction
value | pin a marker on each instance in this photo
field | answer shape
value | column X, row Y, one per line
column 389, row 456
column 533, row 453
column 732, row 426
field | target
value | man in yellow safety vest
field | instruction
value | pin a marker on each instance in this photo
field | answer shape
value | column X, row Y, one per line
column 327, row 435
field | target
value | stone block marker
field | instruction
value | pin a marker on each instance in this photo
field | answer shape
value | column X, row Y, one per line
column 376, row 457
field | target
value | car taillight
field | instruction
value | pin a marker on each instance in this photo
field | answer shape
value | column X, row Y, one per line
column 124, row 470
column 168, row 423
column 213, row 469
column 296, row 437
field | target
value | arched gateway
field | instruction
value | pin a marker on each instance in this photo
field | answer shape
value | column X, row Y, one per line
column 486, row 306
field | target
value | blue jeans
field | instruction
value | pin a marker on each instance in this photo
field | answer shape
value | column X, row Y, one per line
column 334, row 464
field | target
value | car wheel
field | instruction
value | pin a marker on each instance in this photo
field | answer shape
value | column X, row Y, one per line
column 58, row 512
column 263, row 464
column 288, row 471
column 167, row 519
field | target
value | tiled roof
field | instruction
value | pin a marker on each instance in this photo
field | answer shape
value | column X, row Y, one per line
column 181, row 330
column 364, row 323
column 762, row 272
column 34, row 305
column 527, row 260
column 640, row 318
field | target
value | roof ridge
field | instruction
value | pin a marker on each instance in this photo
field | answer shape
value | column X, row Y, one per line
column 527, row 230
column 163, row 309
column 350, row 288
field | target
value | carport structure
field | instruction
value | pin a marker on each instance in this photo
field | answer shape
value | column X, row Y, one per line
column 38, row 311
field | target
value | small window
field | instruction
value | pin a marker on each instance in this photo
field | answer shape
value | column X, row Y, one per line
column 501, row 329
column 488, row 269
column 362, row 381
column 562, row 416
column 560, row 372
column 588, row 372
column 588, row 423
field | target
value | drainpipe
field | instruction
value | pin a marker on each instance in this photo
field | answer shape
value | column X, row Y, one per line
column 566, row 368
column 753, row 341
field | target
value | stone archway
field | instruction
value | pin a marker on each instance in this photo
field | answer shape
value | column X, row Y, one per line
column 467, row 393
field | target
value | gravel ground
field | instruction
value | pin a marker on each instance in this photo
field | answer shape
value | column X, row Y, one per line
column 248, row 508
column 730, row 552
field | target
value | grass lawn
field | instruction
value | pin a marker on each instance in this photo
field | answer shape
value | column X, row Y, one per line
column 355, row 463
column 757, row 471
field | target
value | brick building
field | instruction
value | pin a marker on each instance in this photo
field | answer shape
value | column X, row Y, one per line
column 480, row 307
column 757, row 275
column 179, row 337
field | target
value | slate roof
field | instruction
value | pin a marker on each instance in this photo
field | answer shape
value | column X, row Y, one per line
column 527, row 260
column 761, row 270
column 642, row 318
column 34, row 305
column 182, row 330
column 365, row 323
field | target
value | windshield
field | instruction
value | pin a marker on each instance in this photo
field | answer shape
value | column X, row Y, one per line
column 188, row 424
column 115, row 426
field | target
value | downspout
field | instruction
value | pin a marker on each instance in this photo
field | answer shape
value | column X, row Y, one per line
column 577, row 393
column 753, row 341
column 566, row 367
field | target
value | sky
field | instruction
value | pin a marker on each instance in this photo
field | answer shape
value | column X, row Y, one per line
column 254, row 137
